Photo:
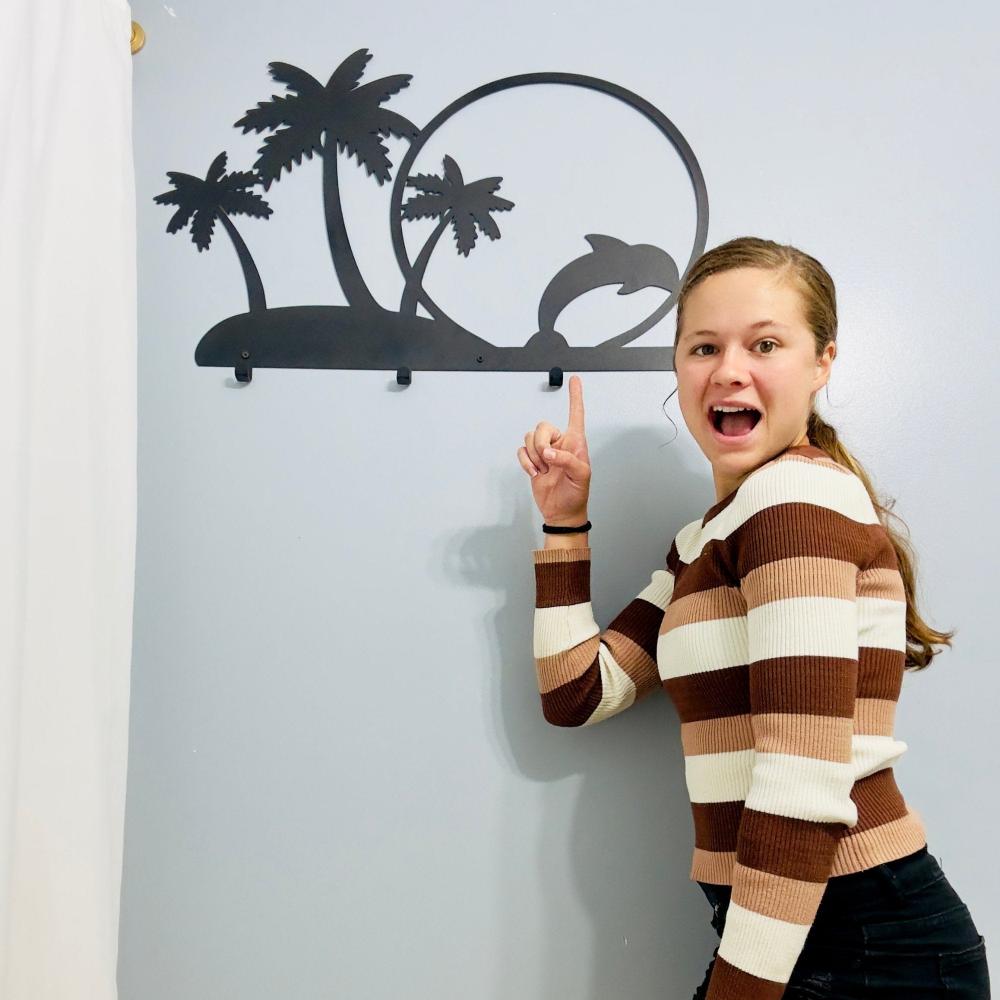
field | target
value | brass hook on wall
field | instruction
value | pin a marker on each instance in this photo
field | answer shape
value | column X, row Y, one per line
column 138, row 37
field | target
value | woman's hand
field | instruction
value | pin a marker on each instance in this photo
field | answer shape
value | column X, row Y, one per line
column 560, row 482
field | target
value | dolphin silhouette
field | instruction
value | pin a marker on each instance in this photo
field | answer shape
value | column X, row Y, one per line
column 611, row 261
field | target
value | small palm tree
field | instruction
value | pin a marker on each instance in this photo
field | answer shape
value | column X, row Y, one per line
column 218, row 196
column 315, row 119
column 463, row 205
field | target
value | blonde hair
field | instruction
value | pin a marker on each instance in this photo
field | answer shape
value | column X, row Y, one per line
column 819, row 308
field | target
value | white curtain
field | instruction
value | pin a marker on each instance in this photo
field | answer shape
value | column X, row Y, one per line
column 67, row 490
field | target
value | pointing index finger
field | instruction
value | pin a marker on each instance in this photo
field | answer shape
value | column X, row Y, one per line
column 576, row 403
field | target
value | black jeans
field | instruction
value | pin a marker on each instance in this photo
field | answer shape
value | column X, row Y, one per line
column 898, row 931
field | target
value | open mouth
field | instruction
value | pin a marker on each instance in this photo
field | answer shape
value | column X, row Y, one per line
column 730, row 424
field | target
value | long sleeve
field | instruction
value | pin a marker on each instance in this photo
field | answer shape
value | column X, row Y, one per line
column 798, row 551
column 586, row 675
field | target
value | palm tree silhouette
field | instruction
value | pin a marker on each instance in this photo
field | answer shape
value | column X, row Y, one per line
column 463, row 205
column 218, row 196
column 316, row 119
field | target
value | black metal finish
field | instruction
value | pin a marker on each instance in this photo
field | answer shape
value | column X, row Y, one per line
column 340, row 115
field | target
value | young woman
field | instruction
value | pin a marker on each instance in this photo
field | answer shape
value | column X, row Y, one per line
column 780, row 627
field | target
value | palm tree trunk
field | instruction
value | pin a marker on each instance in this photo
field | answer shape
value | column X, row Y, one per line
column 408, row 303
column 351, row 283
column 255, row 287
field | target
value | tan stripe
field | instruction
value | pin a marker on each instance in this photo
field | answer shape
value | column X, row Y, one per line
column 875, row 716
column 717, row 735
column 883, row 583
column 820, row 737
column 775, row 896
column 799, row 576
column 874, row 846
column 562, row 668
column 712, row 866
column 702, row 606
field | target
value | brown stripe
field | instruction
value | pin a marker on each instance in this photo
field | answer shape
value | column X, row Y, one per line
column 732, row 983
column 789, row 530
column 562, row 576
column 639, row 621
column 793, row 848
column 709, row 693
column 810, row 685
column 716, row 824
column 880, row 672
column 708, row 571
column 878, row 799
column 573, row 703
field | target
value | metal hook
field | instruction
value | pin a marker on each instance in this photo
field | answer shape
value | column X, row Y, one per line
column 555, row 377
column 243, row 372
column 403, row 375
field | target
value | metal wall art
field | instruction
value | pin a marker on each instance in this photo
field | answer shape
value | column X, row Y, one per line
column 327, row 119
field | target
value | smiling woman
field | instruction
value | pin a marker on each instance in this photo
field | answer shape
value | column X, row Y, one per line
column 780, row 626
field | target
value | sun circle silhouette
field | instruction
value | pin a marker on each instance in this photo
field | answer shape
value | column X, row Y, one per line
column 640, row 104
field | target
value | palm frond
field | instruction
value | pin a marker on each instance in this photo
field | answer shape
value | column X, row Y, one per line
column 465, row 232
column 347, row 74
column 389, row 123
column 180, row 218
column 371, row 154
column 283, row 148
column 272, row 114
column 201, row 228
column 216, row 169
column 240, row 179
column 425, row 206
column 374, row 93
column 295, row 79
column 486, row 223
column 428, row 182
column 245, row 203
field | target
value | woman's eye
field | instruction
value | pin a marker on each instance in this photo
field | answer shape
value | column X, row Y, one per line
column 774, row 343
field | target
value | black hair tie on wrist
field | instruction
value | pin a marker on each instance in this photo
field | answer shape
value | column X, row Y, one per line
column 554, row 529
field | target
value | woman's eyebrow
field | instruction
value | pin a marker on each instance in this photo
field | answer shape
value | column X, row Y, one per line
column 753, row 326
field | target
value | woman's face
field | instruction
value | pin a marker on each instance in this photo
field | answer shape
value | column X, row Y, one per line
column 744, row 339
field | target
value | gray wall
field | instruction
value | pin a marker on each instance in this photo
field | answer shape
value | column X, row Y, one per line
column 340, row 781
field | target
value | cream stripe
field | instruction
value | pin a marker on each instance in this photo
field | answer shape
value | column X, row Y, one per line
column 803, row 626
column 719, row 777
column 698, row 646
column 659, row 589
column 560, row 628
column 782, row 482
column 803, row 788
column 872, row 753
column 882, row 623
column 761, row 946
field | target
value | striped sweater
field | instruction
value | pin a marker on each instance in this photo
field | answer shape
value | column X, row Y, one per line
column 778, row 630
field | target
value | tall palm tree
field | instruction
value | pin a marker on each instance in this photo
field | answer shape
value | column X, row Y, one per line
column 218, row 196
column 314, row 119
column 463, row 205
